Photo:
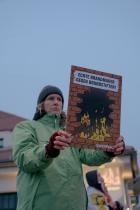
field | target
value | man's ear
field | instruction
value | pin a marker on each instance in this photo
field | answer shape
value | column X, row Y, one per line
column 40, row 107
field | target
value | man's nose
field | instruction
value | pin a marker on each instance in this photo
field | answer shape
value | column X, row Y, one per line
column 56, row 101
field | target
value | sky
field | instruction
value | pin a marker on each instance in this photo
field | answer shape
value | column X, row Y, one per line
column 41, row 39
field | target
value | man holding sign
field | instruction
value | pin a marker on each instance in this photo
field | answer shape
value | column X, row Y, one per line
column 50, row 170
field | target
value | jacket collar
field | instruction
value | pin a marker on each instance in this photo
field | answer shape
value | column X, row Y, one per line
column 51, row 120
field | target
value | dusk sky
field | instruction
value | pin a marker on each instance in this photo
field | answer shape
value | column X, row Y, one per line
column 41, row 39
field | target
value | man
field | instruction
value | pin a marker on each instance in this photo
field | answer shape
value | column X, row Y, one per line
column 50, row 171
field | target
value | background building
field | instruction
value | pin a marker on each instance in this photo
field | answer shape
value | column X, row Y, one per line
column 8, row 170
column 121, row 177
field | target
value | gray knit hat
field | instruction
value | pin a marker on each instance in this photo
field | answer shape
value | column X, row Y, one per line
column 47, row 90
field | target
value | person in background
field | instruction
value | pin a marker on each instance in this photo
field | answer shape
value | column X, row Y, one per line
column 118, row 205
column 98, row 196
column 50, row 170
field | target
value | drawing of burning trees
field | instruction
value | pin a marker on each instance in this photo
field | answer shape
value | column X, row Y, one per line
column 94, row 107
column 95, row 115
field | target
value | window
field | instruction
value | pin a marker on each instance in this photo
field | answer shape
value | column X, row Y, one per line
column 1, row 142
column 8, row 201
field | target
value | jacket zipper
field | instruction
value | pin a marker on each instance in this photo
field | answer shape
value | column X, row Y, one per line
column 55, row 121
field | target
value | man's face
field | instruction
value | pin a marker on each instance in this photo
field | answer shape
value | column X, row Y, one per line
column 53, row 104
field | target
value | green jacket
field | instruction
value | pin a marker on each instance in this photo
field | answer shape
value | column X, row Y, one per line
column 50, row 183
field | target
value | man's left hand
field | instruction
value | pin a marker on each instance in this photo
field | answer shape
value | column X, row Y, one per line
column 119, row 146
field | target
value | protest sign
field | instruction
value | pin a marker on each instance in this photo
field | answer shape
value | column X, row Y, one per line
column 94, row 108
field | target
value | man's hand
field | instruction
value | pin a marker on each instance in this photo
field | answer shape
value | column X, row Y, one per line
column 58, row 141
column 119, row 146
column 62, row 140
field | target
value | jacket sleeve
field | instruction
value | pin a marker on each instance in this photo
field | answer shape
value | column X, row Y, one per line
column 93, row 157
column 27, row 153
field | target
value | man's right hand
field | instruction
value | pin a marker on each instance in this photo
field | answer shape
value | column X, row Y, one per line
column 62, row 140
column 58, row 141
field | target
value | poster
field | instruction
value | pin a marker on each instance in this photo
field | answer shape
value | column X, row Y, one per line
column 94, row 108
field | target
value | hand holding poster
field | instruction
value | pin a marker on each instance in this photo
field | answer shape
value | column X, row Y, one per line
column 94, row 106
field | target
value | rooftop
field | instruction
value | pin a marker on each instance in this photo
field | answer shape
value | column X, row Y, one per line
column 8, row 121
